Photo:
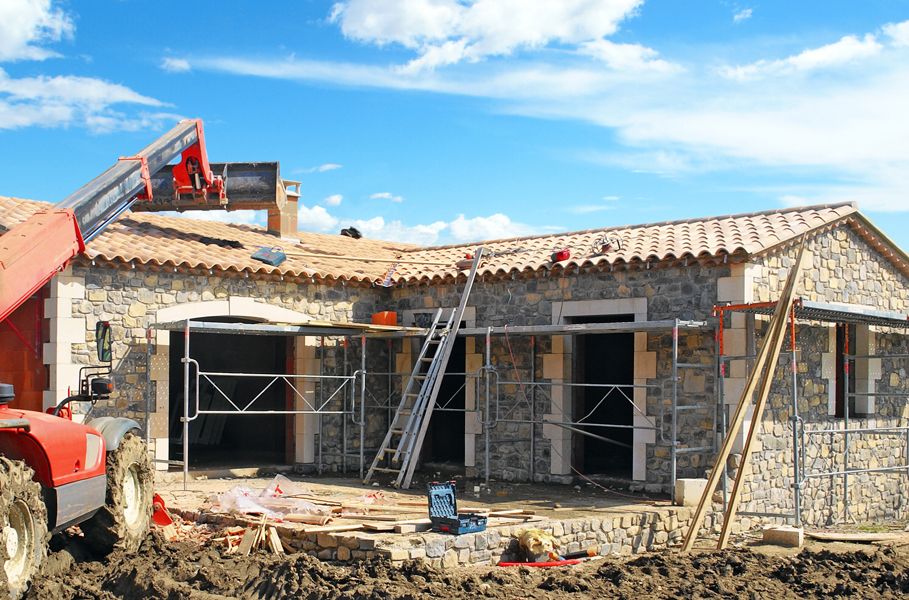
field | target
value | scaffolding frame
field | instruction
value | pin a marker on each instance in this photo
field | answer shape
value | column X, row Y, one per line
column 488, row 384
column 818, row 312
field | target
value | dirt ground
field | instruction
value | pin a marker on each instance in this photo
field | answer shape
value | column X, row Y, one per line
column 183, row 570
column 199, row 571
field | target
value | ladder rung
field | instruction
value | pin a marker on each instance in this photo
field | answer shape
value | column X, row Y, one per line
column 428, row 358
column 384, row 470
column 397, row 431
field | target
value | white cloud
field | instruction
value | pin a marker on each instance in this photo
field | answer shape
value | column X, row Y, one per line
column 495, row 226
column 69, row 100
column 175, row 65
column 323, row 168
column 627, row 57
column 612, row 198
column 27, row 25
column 742, row 15
column 450, row 31
column 847, row 125
column 315, row 218
column 333, row 200
column 395, row 231
column 844, row 51
column 386, row 196
column 586, row 209
column 898, row 33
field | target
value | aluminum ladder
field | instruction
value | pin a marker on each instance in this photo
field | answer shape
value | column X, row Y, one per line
column 408, row 427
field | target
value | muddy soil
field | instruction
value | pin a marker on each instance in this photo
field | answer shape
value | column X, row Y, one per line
column 183, row 570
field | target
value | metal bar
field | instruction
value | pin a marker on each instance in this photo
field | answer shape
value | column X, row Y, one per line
column 685, row 449
column 320, row 466
column 239, row 374
column 876, row 430
column 487, row 420
column 674, row 435
column 186, row 404
column 344, row 418
column 102, row 198
column 593, row 435
column 275, row 412
column 743, row 513
column 796, row 479
column 845, row 422
column 362, row 401
column 878, row 356
column 584, row 424
column 855, row 471
column 533, row 405
column 586, row 328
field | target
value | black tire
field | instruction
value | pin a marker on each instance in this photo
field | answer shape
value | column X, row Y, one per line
column 23, row 527
column 124, row 520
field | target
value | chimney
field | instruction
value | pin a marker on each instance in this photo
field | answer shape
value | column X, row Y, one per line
column 282, row 218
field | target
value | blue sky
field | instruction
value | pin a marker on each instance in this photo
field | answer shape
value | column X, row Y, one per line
column 435, row 121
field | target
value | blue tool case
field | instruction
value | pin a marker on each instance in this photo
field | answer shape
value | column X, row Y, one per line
column 443, row 511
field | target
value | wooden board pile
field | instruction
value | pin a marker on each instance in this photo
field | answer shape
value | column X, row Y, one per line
column 245, row 540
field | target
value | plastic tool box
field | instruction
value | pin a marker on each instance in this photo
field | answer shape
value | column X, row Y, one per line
column 443, row 511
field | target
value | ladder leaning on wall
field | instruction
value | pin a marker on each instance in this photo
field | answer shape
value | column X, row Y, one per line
column 408, row 427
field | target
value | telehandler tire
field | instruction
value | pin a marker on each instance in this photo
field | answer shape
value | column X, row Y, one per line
column 23, row 527
column 123, row 522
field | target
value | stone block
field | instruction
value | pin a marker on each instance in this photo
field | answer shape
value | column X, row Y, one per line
column 645, row 365
column 343, row 553
column 784, row 535
column 688, row 492
column 327, row 541
column 553, row 366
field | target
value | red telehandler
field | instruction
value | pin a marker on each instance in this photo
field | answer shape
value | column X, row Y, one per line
column 55, row 472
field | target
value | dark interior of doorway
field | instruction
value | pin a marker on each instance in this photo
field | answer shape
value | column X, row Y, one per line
column 604, row 359
column 444, row 445
column 230, row 440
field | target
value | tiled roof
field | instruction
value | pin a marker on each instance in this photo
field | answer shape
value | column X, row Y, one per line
column 691, row 239
column 158, row 240
column 154, row 239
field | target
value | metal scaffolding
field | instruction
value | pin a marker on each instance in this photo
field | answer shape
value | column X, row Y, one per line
column 818, row 312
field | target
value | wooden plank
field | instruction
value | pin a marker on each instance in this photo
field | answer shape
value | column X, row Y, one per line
column 378, row 507
column 308, row 519
column 778, row 336
column 735, row 425
column 379, row 526
column 862, row 537
column 246, row 544
column 332, row 528
column 275, row 541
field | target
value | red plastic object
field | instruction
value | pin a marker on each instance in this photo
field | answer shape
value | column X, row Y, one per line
column 560, row 255
column 386, row 317
column 160, row 517
column 553, row 563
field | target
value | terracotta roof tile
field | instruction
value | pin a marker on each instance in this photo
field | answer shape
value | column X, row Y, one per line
column 707, row 237
column 149, row 238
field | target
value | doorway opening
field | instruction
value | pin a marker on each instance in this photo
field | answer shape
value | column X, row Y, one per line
column 241, row 440
column 606, row 360
column 445, row 438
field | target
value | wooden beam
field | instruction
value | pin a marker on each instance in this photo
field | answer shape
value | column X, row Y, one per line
column 778, row 333
column 735, row 425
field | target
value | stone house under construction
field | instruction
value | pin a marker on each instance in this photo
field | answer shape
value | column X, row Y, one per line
column 605, row 365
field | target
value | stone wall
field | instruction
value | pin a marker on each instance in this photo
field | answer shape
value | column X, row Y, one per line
column 132, row 298
column 687, row 293
column 844, row 269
